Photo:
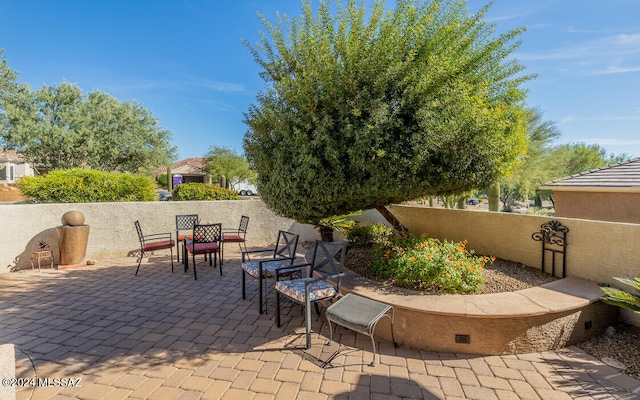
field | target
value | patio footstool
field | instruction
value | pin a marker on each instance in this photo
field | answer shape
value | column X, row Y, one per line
column 361, row 315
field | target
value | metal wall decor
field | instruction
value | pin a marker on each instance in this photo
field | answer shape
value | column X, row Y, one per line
column 553, row 236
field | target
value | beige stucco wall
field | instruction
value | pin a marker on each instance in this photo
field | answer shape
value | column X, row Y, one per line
column 603, row 206
column 112, row 233
column 596, row 250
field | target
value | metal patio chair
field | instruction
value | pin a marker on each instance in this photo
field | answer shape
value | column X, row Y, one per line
column 152, row 242
column 204, row 240
column 323, row 283
column 282, row 255
column 184, row 223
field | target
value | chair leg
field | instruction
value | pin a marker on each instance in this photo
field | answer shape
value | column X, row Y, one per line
column 210, row 259
column 195, row 275
column 277, row 308
column 307, row 317
column 220, row 266
column 139, row 262
column 243, row 283
column 171, row 249
column 260, row 292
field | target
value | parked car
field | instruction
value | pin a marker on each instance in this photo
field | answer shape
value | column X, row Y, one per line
column 164, row 195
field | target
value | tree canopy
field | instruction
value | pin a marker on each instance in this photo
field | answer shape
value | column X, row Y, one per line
column 367, row 107
column 222, row 161
column 59, row 127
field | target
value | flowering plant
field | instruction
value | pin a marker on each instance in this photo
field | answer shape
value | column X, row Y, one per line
column 420, row 262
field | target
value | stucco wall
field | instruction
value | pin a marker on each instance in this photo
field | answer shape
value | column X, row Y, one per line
column 615, row 207
column 112, row 233
column 596, row 250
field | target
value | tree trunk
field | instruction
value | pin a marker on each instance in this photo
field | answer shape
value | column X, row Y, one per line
column 326, row 233
column 395, row 223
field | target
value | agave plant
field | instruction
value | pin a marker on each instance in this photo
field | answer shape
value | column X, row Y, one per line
column 621, row 298
column 340, row 223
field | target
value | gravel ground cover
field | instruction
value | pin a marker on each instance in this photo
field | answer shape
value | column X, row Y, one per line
column 619, row 345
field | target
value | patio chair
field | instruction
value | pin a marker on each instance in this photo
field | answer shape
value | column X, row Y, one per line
column 184, row 223
column 323, row 283
column 153, row 242
column 236, row 235
column 282, row 255
column 204, row 240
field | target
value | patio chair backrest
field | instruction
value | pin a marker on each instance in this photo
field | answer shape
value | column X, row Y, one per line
column 244, row 223
column 186, row 221
column 286, row 245
column 328, row 258
column 139, row 230
column 207, row 233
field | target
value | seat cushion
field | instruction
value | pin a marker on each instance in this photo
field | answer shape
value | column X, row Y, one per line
column 268, row 268
column 318, row 289
column 183, row 237
column 160, row 245
column 201, row 248
column 233, row 238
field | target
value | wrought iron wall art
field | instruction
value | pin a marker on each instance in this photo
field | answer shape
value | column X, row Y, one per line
column 553, row 236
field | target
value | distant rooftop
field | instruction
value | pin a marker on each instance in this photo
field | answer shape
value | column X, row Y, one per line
column 623, row 176
column 190, row 165
column 10, row 156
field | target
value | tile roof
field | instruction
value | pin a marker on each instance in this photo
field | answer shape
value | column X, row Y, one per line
column 198, row 163
column 10, row 156
column 624, row 175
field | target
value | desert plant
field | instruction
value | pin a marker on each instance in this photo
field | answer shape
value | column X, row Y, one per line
column 340, row 223
column 79, row 185
column 364, row 235
column 202, row 191
column 420, row 262
column 620, row 298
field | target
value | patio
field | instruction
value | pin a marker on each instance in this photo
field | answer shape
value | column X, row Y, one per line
column 165, row 336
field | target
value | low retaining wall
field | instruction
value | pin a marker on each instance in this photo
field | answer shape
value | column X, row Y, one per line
column 548, row 317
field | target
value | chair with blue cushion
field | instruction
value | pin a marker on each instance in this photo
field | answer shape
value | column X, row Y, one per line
column 282, row 255
column 323, row 283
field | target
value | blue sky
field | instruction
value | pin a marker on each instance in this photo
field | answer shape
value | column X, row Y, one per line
column 185, row 62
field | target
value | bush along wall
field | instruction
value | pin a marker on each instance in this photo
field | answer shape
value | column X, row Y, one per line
column 202, row 191
column 87, row 186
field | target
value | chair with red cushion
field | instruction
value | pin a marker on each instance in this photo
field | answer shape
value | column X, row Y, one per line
column 204, row 240
column 184, row 223
column 152, row 242
column 236, row 235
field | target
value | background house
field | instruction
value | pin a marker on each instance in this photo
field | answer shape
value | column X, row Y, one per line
column 610, row 193
column 13, row 166
column 189, row 170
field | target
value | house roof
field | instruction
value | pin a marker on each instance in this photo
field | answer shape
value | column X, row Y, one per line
column 194, row 165
column 623, row 177
column 10, row 156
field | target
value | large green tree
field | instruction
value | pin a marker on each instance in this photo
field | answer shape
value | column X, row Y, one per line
column 365, row 107
column 222, row 161
column 536, row 166
column 59, row 127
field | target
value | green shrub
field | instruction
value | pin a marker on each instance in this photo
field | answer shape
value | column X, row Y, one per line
column 423, row 263
column 162, row 180
column 368, row 234
column 87, row 186
column 202, row 191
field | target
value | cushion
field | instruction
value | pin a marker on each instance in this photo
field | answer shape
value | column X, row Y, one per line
column 268, row 268
column 183, row 237
column 199, row 248
column 318, row 289
column 160, row 245
column 233, row 238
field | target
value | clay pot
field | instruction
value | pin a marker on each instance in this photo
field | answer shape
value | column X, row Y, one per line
column 73, row 218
